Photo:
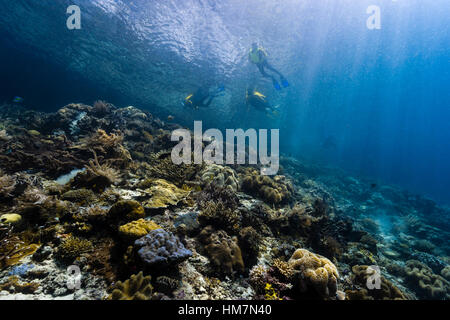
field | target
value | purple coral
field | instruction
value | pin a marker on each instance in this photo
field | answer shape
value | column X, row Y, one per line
column 161, row 248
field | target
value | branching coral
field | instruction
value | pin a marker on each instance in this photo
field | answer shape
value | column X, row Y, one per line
column 137, row 287
column 217, row 214
column 35, row 196
column 108, row 146
column 274, row 282
column 101, row 108
column 164, row 168
column 72, row 248
column 219, row 207
column 258, row 277
column 97, row 176
column 100, row 260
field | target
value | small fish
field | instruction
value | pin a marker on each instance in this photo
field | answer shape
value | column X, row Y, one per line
column 170, row 117
column 373, row 185
column 17, row 99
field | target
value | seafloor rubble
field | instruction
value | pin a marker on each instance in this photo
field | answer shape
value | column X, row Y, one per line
column 93, row 188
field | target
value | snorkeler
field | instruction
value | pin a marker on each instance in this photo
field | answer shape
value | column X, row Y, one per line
column 258, row 100
column 202, row 97
column 258, row 56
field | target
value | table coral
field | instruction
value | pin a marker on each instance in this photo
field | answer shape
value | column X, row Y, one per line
column 315, row 271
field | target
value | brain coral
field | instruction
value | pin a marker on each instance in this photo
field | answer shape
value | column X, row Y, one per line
column 161, row 248
column 315, row 272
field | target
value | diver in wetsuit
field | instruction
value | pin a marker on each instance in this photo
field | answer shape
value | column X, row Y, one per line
column 202, row 97
column 258, row 56
column 258, row 101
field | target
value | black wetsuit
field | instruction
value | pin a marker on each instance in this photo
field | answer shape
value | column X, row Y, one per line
column 259, row 102
column 201, row 98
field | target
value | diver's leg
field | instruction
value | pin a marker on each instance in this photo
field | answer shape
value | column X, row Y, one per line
column 269, row 66
column 264, row 73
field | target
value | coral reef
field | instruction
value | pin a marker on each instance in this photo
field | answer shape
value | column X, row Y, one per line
column 95, row 186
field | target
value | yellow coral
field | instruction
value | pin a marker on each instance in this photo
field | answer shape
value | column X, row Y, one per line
column 271, row 293
column 14, row 250
column 164, row 194
column 10, row 218
column 137, row 229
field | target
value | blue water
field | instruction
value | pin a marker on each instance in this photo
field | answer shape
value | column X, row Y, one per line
column 381, row 96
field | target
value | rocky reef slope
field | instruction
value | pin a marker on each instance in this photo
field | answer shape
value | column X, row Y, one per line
column 92, row 207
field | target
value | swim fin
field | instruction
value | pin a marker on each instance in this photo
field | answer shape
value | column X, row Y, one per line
column 276, row 85
column 284, row 83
